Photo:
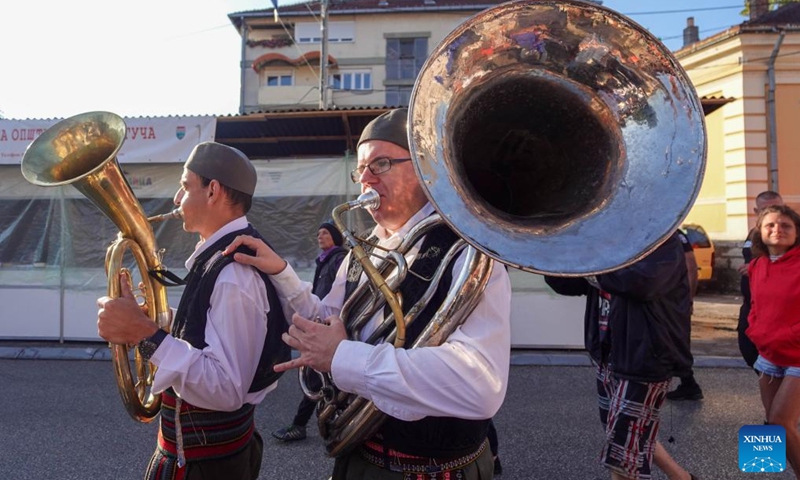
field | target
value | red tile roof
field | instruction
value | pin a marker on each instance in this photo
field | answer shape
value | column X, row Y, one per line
column 788, row 14
column 374, row 6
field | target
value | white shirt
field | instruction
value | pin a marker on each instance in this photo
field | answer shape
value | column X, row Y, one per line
column 218, row 377
column 465, row 377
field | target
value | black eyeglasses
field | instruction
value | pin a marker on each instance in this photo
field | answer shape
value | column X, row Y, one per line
column 378, row 166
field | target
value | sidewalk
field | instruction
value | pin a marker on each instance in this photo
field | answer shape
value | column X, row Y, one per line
column 714, row 327
column 714, row 338
column 714, row 342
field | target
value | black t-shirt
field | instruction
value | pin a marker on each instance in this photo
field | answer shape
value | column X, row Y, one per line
column 744, row 284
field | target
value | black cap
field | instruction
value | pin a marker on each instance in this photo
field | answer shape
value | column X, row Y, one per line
column 391, row 126
column 335, row 234
column 224, row 164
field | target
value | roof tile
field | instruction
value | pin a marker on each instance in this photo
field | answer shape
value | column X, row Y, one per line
column 788, row 14
column 335, row 6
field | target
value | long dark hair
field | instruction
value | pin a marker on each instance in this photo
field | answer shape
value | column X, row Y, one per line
column 759, row 248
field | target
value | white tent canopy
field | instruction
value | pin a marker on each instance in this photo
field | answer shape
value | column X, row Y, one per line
column 53, row 240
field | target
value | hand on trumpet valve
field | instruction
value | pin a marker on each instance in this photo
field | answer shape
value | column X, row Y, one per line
column 316, row 340
column 140, row 294
column 122, row 320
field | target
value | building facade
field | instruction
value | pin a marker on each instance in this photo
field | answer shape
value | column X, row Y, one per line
column 751, row 72
column 375, row 48
column 752, row 142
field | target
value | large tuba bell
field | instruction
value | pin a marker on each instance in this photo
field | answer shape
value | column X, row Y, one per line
column 557, row 137
column 81, row 151
column 546, row 132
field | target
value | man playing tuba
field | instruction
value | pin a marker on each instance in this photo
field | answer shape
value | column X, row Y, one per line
column 439, row 400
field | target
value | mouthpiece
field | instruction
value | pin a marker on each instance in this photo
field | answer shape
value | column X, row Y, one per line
column 369, row 200
column 165, row 216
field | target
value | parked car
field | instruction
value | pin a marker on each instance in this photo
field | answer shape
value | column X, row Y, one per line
column 703, row 250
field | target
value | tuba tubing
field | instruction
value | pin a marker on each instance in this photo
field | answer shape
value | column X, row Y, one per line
column 346, row 420
column 82, row 151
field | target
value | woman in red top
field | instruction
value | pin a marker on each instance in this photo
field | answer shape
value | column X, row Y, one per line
column 775, row 320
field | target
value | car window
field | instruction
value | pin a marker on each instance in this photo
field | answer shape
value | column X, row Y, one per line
column 697, row 237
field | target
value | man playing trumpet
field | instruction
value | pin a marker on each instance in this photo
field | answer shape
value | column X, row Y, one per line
column 216, row 366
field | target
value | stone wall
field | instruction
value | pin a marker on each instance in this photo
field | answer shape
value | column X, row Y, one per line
column 725, row 279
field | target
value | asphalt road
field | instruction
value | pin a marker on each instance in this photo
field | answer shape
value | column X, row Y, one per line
column 62, row 419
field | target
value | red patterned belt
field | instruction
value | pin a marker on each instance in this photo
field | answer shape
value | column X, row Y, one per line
column 396, row 461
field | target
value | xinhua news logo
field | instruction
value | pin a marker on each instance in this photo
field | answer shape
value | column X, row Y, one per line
column 762, row 448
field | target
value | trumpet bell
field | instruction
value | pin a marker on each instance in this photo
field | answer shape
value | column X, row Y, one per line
column 73, row 149
column 82, row 151
column 557, row 136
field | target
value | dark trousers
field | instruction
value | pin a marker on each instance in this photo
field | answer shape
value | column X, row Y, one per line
column 746, row 346
column 492, row 436
column 304, row 412
column 688, row 379
column 243, row 465
column 306, row 407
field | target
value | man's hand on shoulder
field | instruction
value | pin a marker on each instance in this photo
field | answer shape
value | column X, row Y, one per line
column 265, row 258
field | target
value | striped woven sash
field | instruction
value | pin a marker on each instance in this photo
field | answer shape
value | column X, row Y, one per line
column 202, row 434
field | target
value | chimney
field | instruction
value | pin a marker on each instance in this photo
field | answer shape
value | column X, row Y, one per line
column 691, row 34
column 758, row 8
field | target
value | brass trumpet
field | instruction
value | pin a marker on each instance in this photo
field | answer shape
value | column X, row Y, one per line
column 82, row 151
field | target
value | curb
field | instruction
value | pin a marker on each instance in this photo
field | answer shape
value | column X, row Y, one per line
column 55, row 353
column 581, row 359
column 573, row 359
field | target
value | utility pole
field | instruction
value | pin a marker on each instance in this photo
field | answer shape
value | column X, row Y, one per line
column 323, row 57
column 243, row 65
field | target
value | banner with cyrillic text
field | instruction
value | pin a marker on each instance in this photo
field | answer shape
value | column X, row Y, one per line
column 276, row 178
column 147, row 140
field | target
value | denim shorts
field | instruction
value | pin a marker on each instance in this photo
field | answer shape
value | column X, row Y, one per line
column 766, row 367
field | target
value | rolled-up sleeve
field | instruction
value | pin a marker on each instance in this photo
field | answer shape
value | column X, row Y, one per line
column 296, row 296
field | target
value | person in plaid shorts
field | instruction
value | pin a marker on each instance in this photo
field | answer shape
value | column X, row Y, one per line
column 637, row 333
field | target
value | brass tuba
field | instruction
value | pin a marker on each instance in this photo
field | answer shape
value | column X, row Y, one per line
column 346, row 420
column 557, row 137
column 81, row 151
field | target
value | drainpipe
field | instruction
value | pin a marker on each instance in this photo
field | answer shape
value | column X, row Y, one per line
column 772, row 131
column 243, row 65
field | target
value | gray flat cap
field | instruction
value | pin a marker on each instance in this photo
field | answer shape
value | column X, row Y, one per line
column 224, row 164
column 390, row 126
